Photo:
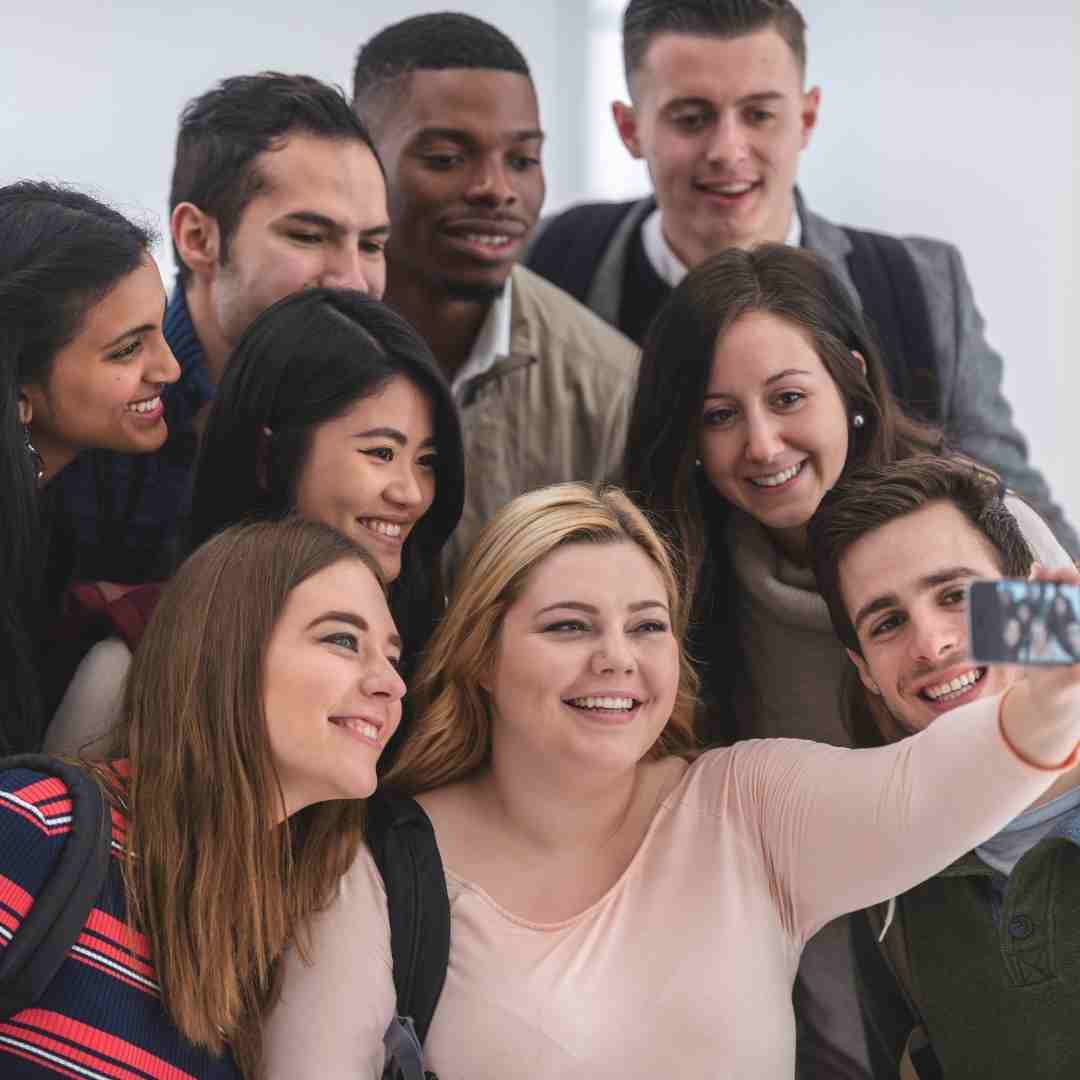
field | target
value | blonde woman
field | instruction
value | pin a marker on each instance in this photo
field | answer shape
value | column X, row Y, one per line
column 620, row 906
column 260, row 698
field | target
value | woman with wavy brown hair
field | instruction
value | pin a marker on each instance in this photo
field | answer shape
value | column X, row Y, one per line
column 621, row 905
column 259, row 700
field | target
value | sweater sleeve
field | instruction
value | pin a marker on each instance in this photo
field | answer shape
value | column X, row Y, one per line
column 35, row 819
column 844, row 829
column 336, row 1004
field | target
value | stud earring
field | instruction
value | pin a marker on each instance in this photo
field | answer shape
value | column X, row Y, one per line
column 858, row 420
column 37, row 462
column 697, row 463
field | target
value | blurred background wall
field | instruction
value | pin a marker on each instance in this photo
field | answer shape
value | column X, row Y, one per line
column 948, row 118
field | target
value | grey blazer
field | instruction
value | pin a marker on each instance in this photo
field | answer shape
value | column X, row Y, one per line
column 977, row 418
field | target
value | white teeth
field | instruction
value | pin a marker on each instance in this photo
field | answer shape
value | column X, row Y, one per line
column 953, row 687
column 386, row 528
column 149, row 405
column 777, row 478
column 362, row 727
column 730, row 189
column 623, row 704
column 487, row 239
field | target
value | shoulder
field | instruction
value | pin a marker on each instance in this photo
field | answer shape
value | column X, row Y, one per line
column 35, row 822
column 563, row 329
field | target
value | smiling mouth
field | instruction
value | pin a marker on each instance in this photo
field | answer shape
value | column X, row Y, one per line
column 366, row 729
column 947, row 692
column 387, row 530
column 147, row 405
column 775, row 480
column 730, row 189
column 615, row 705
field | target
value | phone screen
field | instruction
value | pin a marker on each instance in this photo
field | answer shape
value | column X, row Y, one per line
column 1024, row 622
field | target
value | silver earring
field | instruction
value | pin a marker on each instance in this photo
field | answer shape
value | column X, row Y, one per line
column 858, row 420
column 697, row 463
column 37, row 462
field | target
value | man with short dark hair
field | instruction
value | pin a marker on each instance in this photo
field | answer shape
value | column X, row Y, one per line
column 276, row 186
column 543, row 384
column 978, row 972
column 720, row 113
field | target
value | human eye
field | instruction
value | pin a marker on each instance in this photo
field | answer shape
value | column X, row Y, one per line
column 126, row 351
column 305, row 237
column 524, row 162
column 651, row 626
column 373, row 247
column 954, row 597
column 789, row 399
column 721, row 416
column 428, row 461
column 759, row 116
column 380, row 453
column 887, row 624
column 442, row 162
column 343, row 639
column 566, row 626
column 690, row 121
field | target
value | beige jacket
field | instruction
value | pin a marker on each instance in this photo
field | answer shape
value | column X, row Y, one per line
column 555, row 409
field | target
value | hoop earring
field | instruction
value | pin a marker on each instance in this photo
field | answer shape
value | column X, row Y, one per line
column 858, row 420
column 37, row 462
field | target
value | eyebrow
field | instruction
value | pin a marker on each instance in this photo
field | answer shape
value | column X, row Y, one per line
column 353, row 620
column 769, row 381
column 930, row 581
column 591, row 609
column 457, row 135
column 311, row 217
column 390, row 433
column 751, row 99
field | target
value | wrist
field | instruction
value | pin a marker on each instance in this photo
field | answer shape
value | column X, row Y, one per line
column 1069, row 762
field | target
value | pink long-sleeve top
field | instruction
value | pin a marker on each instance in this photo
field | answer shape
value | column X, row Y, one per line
column 685, row 966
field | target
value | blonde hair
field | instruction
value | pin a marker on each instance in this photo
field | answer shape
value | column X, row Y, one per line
column 216, row 884
column 451, row 737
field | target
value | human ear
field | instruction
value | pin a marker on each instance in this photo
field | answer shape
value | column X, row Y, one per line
column 811, row 102
column 197, row 238
column 864, row 672
column 860, row 360
column 26, row 408
column 626, row 125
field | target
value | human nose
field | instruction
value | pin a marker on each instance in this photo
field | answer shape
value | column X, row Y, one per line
column 934, row 638
column 381, row 680
column 727, row 144
column 163, row 367
column 491, row 183
column 405, row 487
column 612, row 654
column 347, row 269
column 763, row 438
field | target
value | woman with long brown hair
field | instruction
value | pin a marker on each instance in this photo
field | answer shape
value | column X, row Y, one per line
column 259, row 700
column 620, row 905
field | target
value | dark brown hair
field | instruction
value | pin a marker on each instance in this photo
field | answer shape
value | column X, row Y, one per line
column 218, row 886
column 645, row 20
column 666, row 419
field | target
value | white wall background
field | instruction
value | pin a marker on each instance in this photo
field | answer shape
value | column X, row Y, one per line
column 951, row 118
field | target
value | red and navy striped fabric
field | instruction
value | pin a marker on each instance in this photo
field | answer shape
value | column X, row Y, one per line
column 101, row 1018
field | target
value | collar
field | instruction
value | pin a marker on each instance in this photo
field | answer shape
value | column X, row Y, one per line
column 179, row 332
column 492, row 342
column 670, row 267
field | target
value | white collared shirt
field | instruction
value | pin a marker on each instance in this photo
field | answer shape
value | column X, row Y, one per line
column 669, row 266
column 492, row 341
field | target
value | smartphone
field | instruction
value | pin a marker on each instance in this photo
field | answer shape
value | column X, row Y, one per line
column 1024, row 622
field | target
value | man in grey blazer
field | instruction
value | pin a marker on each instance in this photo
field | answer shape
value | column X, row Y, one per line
column 720, row 114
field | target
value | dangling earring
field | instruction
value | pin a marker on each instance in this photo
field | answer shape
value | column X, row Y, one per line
column 37, row 462
column 858, row 420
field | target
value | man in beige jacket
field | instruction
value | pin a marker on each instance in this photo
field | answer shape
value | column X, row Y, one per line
column 544, row 385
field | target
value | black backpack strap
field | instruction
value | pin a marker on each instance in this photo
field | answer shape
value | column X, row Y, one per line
column 402, row 842
column 567, row 248
column 63, row 905
column 894, row 302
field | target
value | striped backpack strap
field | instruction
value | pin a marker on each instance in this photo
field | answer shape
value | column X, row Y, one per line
column 60, row 910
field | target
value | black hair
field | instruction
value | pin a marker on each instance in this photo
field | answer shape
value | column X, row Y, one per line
column 660, row 469
column 223, row 131
column 303, row 361
column 443, row 41
column 645, row 20
column 61, row 251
